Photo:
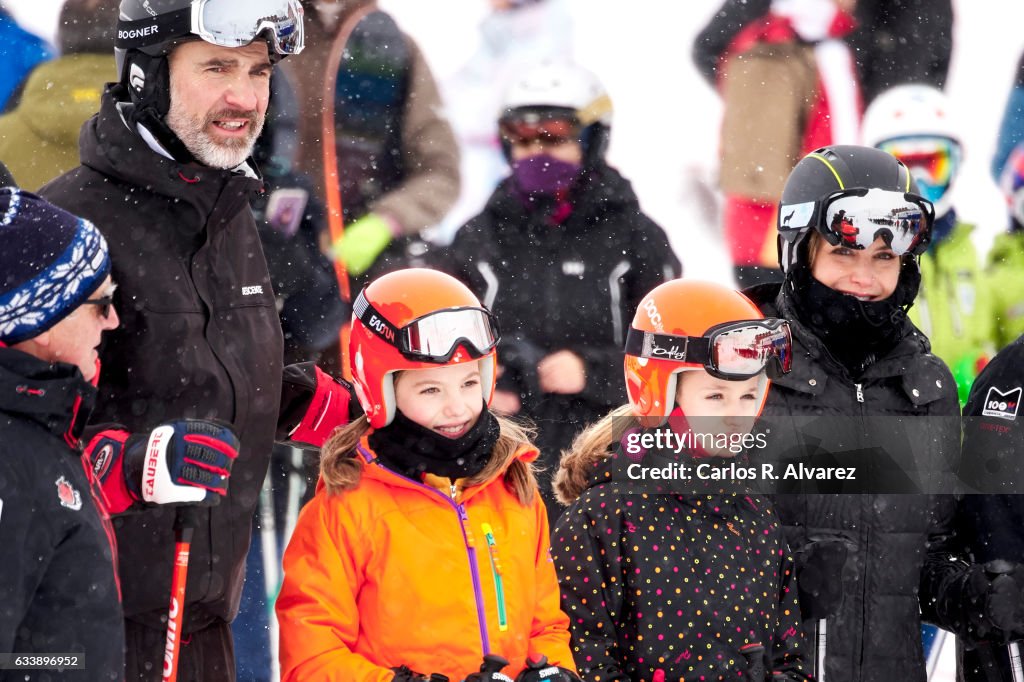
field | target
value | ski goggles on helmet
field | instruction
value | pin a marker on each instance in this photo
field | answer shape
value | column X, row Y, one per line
column 549, row 132
column 732, row 351
column 931, row 160
column 855, row 218
column 234, row 23
column 434, row 337
column 227, row 23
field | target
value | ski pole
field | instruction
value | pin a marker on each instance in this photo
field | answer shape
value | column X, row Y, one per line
column 820, row 635
column 1015, row 664
column 935, row 653
column 185, row 521
column 271, row 573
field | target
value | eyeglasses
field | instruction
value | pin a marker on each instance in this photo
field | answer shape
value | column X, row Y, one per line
column 434, row 337
column 547, row 132
column 234, row 23
column 855, row 218
column 733, row 351
column 105, row 305
column 931, row 159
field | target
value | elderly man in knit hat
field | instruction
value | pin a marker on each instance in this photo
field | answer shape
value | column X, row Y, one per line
column 59, row 592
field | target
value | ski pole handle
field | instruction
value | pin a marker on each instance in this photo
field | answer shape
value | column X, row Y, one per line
column 1015, row 664
column 756, row 670
column 185, row 521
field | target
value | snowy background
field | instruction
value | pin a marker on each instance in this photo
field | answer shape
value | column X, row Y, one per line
column 665, row 131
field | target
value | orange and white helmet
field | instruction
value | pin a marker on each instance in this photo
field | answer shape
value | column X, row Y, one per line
column 688, row 324
column 416, row 319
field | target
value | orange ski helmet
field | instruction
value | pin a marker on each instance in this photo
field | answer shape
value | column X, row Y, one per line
column 416, row 319
column 688, row 324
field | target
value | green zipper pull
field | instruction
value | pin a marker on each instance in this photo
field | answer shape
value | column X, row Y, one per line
column 499, row 587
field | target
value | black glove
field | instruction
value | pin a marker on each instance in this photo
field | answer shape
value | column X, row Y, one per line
column 994, row 597
column 404, row 674
column 490, row 670
column 757, row 671
column 819, row 575
column 540, row 671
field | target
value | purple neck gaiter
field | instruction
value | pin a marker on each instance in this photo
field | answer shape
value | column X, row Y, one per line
column 544, row 174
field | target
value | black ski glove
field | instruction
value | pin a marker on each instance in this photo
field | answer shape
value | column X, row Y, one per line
column 994, row 600
column 404, row 674
column 819, row 575
column 490, row 670
column 540, row 671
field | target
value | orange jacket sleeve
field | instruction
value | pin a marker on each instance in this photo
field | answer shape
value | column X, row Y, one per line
column 550, row 632
column 316, row 609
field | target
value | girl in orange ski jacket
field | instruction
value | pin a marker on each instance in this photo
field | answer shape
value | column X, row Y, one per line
column 426, row 546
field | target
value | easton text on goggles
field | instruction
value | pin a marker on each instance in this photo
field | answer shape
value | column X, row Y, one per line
column 434, row 337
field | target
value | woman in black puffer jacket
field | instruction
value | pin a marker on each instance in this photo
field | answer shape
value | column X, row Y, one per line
column 857, row 358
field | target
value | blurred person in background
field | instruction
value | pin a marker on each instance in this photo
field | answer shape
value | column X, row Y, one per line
column 954, row 308
column 20, row 51
column 1006, row 257
column 397, row 158
column 514, row 35
column 39, row 136
column 795, row 75
column 788, row 86
column 563, row 253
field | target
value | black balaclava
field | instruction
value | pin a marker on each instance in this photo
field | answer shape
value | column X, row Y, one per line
column 411, row 450
column 854, row 332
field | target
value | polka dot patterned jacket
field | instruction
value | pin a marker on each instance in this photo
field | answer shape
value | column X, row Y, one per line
column 673, row 586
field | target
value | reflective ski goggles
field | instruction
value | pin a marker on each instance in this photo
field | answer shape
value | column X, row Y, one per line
column 234, row 23
column 434, row 337
column 855, row 218
column 227, row 23
column 533, row 128
column 733, row 351
column 931, row 160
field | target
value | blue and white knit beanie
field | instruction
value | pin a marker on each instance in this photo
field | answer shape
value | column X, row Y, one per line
column 50, row 262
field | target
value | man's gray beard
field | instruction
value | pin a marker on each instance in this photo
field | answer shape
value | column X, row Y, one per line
column 192, row 132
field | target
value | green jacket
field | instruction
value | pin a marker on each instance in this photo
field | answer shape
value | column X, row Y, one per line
column 1005, row 268
column 39, row 138
column 954, row 308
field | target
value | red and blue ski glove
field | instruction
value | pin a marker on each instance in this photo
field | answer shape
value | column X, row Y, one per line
column 186, row 461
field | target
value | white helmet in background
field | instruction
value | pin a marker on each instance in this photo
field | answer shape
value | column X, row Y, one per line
column 561, row 90
column 915, row 124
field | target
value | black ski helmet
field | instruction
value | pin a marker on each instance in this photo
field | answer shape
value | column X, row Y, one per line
column 148, row 30
column 827, row 170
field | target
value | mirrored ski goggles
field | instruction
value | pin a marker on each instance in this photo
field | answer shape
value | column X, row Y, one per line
column 733, row 351
column 434, row 337
column 931, row 160
column 855, row 218
column 552, row 132
column 234, row 23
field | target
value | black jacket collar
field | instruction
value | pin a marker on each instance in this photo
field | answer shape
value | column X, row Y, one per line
column 55, row 396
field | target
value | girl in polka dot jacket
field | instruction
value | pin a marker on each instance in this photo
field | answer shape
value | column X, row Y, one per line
column 687, row 584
